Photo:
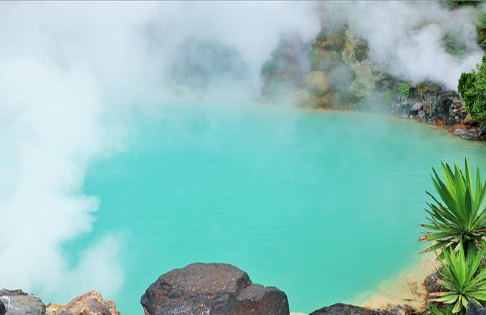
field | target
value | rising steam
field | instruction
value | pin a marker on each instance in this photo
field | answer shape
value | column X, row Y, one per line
column 71, row 72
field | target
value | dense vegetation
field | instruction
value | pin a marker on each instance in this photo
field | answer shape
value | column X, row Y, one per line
column 472, row 87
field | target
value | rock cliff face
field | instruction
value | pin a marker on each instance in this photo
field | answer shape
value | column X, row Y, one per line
column 216, row 289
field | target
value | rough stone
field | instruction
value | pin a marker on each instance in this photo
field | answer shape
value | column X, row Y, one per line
column 3, row 308
column 306, row 100
column 326, row 100
column 417, row 106
column 317, row 83
column 364, row 81
column 346, row 309
column 90, row 303
column 401, row 309
column 473, row 308
column 469, row 121
column 214, row 289
column 12, row 292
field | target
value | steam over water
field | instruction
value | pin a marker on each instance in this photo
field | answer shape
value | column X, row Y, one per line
column 108, row 179
column 323, row 205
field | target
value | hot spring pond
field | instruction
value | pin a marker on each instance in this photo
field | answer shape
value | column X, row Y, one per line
column 323, row 205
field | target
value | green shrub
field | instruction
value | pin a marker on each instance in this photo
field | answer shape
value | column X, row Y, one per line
column 460, row 280
column 404, row 89
column 458, row 219
column 472, row 87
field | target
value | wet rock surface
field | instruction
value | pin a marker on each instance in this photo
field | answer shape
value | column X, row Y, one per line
column 214, row 289
column 346, row 309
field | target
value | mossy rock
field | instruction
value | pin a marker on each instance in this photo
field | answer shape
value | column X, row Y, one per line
column 348, row 53
column 364, row 81
column 317, row 83
column 306, row 100
column 322, row 59
column 325, row 101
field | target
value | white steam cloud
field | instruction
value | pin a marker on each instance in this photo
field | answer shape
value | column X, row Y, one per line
column 406, row 37
column 70, row 72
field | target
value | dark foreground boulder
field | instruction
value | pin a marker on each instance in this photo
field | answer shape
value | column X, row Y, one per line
column 346, row 309
column 473, row 308
column 216, row 289
column 18, row 302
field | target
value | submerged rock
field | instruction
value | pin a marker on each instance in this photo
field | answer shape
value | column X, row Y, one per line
column 90, row 303
column 346, row 309
column 216, row 289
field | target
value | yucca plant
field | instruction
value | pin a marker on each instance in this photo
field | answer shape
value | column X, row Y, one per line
column 459, row 217
column 462, row 279
column 435, row 311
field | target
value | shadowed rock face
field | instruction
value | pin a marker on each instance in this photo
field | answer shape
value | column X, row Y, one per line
column 214, row 289
column 345, row 309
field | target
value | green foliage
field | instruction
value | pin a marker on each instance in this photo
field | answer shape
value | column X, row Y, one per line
column 458, row 219
column 472, row 87
column 435, row 87
column 404, row 89
column 459, row 53
column 435, row 311
column 460, row 280
column 389, row 96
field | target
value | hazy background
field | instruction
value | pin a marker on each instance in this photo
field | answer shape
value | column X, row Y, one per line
column 72, row 73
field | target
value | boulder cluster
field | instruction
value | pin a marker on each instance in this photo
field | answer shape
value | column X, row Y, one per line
column 18, row 302
column 338, row 74
column 428, row 103
column 201, row 289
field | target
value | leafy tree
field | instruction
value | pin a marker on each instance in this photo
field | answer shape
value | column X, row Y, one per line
column 472, row 87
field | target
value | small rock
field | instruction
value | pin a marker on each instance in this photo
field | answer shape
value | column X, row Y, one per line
column 346, row 309
column 401, row 309
column 421, row 113
column 317, row 83
column 90, row 303
column 469, row 121
column 53, row 309
column 473, row 308
column 306, row 100
column 417, row 106
column 3, row 308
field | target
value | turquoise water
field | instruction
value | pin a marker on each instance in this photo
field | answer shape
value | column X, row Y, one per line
column 323, row 205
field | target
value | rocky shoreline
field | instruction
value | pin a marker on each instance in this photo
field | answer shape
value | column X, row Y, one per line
column 341, row 76
column 203, row 289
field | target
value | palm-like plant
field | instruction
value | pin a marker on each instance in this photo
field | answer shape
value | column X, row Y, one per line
column 435, row 311
column 460, row 279
column 459, row 217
